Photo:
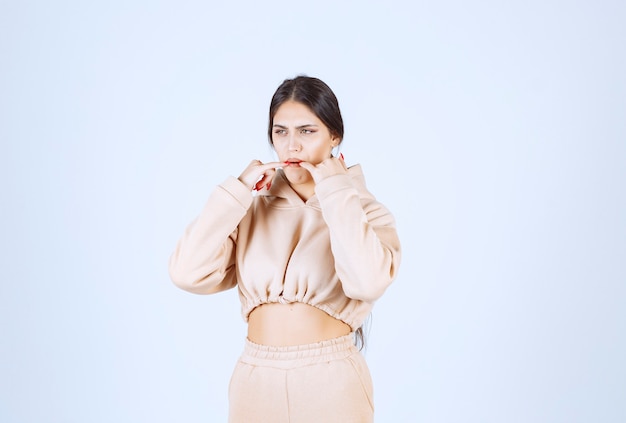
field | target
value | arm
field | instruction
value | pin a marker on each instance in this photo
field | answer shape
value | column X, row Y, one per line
column 363, row 238
column 204, row 259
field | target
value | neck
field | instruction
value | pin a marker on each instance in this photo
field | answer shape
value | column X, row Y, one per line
column 305, row 190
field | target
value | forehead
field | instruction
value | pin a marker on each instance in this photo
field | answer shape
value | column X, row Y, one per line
column 295, row 113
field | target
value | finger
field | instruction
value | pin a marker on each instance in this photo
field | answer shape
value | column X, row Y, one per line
column 343, row 161
column 271, row 165
column 268, row 176
column 256, row 171
column 259, row 165
column 265, row 180
column 308, row 166
column 339, row 160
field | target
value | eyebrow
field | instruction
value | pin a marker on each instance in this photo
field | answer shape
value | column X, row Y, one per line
column 276, row 125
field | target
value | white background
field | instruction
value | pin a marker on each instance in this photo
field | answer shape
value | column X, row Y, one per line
column 494, row 131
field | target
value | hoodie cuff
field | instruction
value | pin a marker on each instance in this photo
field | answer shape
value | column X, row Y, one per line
column 333, row 184
column 238, row 191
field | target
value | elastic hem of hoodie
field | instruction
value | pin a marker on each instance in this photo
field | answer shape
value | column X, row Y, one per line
column 248, row 307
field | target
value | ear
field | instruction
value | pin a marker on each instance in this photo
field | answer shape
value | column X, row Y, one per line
column 334, row 142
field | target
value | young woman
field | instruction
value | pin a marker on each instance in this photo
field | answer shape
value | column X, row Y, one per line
column 310, row 253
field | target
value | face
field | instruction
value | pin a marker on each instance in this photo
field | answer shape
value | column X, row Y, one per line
column 299, row 135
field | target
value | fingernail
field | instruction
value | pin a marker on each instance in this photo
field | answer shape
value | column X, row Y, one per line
column 268, row 185
column 341, row 156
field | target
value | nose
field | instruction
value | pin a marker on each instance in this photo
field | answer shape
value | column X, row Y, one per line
column 294, row 143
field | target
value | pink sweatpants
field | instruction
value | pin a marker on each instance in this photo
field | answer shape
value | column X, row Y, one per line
column 324, row 382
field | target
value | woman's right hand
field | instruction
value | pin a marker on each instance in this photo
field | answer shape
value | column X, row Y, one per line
column 258, row 174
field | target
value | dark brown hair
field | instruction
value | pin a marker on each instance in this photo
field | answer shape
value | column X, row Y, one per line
column 313, row 93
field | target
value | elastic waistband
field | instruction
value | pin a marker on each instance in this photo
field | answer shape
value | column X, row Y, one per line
column 298, row 355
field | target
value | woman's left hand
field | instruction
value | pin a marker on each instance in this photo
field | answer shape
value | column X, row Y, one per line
column 329, row 167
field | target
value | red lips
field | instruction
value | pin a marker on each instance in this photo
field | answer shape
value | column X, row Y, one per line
column 293, row 162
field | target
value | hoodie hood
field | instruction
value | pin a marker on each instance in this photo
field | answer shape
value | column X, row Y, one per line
column 281, row 194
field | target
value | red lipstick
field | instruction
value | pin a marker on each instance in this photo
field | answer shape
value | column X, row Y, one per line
column 293, row 162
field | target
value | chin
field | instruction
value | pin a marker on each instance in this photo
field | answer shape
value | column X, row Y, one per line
column 297, row 175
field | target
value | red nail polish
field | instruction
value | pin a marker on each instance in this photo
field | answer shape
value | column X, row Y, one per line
column 341, row 156
column 268, row 185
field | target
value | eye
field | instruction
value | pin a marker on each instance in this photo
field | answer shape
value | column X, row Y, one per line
column 279, row 131
column 306, row 131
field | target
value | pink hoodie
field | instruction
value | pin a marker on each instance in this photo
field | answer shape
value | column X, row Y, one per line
column 338, row 251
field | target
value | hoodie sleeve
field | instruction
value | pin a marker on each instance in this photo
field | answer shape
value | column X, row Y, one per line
column 203, row 261
column 363, row 238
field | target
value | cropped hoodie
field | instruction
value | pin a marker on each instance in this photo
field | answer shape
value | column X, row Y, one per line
column 338, row 251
